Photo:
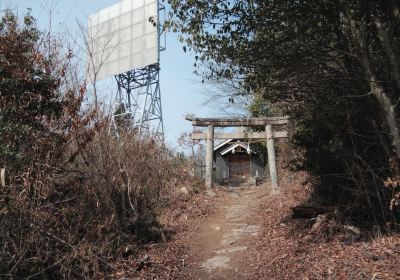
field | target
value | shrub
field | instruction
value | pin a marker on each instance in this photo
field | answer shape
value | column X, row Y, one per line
column 75, row 198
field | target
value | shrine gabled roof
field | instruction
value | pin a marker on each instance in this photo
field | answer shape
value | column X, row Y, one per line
column 222, row 144
column 234, row 146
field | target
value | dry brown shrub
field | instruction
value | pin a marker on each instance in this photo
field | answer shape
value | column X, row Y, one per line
column 72, row 198
column 73, row 221
column 140, row 174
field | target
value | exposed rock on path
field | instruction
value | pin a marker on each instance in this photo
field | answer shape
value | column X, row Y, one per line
column 224, row 236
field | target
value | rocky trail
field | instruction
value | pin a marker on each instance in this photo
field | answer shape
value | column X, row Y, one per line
column 249, row 233
column 218, row 246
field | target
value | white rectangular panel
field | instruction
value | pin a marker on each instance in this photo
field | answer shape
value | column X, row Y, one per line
column 126, row 6
column 137, row 4
column 122, row 37
column 137, row 30
column 138, row 15
column 126, row 35
column 103, row 16
column 125, row 50
column 126, row 62
column 114, row 11
column 126, row 20
column 150, row 42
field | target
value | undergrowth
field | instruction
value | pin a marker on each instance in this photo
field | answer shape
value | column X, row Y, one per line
column 73, row 198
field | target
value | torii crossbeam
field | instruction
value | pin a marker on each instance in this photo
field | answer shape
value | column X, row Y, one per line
column 268, row 122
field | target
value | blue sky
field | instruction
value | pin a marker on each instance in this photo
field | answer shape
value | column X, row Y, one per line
column 182, row 91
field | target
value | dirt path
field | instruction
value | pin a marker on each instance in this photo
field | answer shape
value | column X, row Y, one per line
column 249, row 234
column 216, row 249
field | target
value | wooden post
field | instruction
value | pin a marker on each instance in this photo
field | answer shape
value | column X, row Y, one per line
column 271, row 159
column 209, row 156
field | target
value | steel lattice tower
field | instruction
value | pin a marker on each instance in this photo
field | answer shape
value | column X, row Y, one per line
column 138, row 100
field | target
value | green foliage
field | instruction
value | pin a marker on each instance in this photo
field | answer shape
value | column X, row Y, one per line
column 259, row 107
column 29, row 100
column 321, row 62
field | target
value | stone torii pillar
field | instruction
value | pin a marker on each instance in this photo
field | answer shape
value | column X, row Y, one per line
column 209, row 156
column 273, row 172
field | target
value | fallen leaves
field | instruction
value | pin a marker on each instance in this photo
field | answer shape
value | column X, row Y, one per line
column 294, row 252
column 284, row 248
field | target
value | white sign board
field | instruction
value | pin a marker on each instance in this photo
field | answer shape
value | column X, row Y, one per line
column 122, row 38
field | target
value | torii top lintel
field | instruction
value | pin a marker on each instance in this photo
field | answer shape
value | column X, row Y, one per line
column 226, row 122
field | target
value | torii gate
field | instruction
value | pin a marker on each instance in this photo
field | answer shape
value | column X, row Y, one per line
column 269, row 135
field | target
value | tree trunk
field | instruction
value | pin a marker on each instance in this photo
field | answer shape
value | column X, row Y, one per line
column 385, row 106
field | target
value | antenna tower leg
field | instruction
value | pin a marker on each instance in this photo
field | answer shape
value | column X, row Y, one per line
column 138, row 102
